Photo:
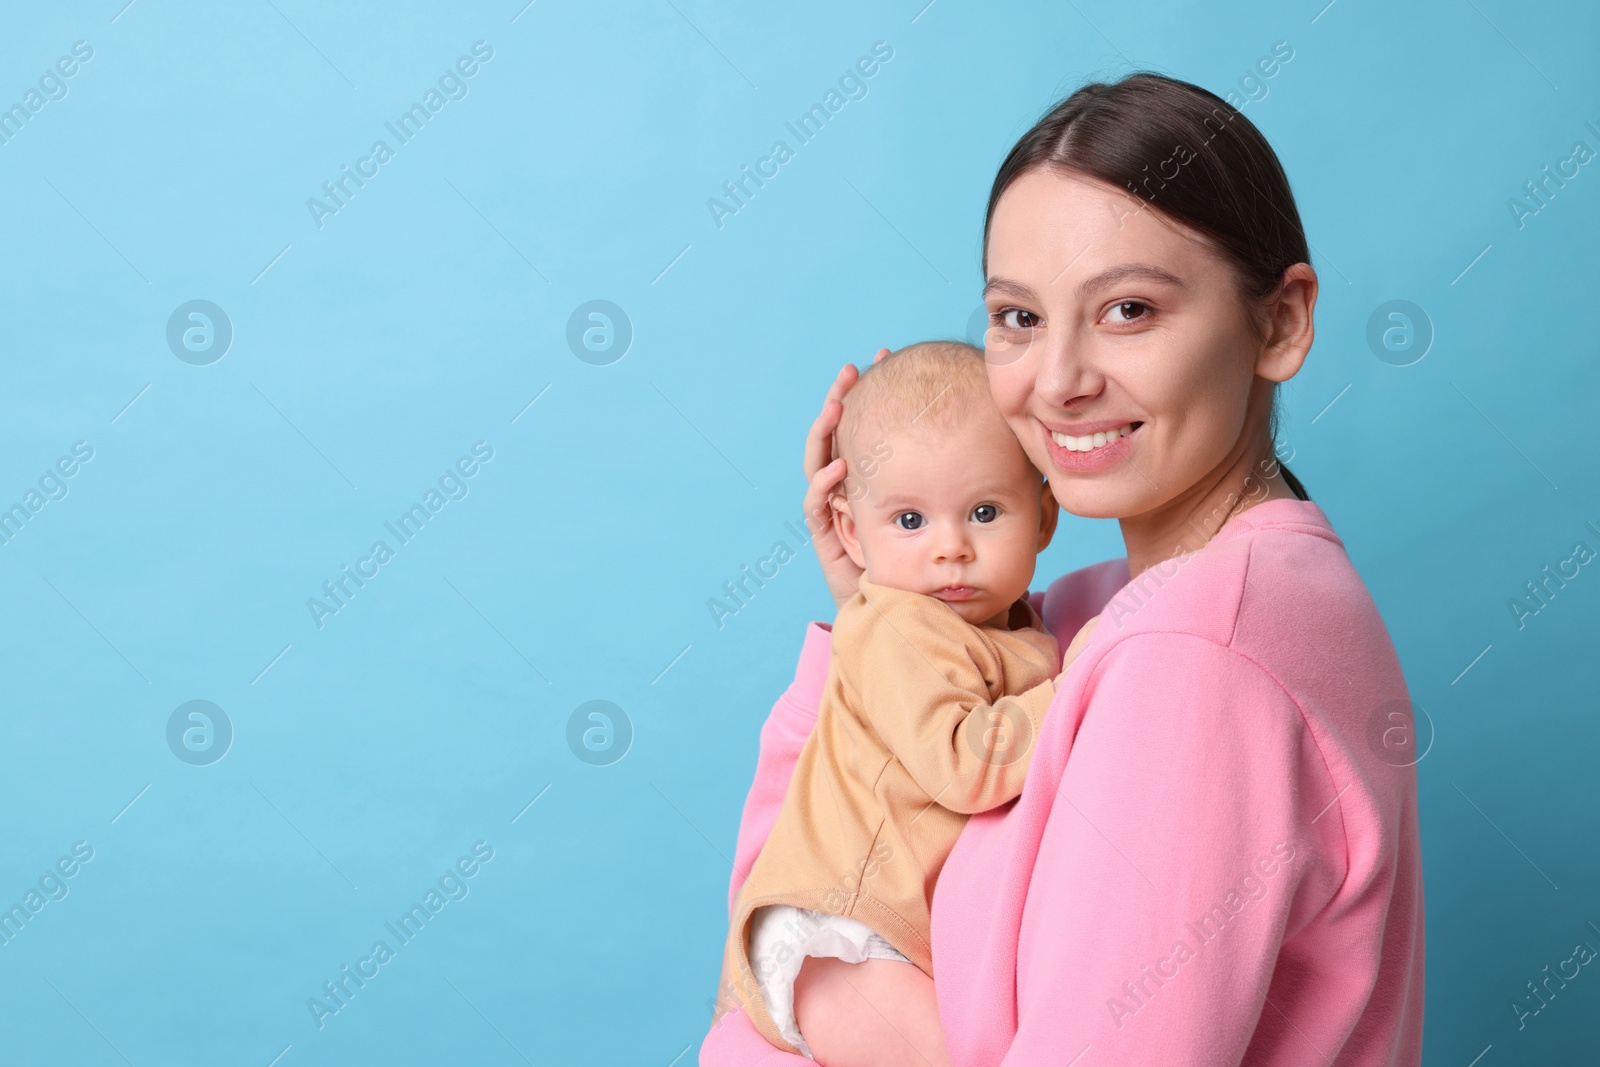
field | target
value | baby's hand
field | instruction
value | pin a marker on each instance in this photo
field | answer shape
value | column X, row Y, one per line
column 1079, row 639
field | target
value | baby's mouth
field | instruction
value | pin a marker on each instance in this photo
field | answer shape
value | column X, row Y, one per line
column 1090, row 442
column 955, row 592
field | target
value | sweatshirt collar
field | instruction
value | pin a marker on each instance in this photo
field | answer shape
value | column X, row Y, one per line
column 1285, row 513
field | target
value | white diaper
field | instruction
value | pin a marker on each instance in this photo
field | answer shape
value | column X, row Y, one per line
column 806, row 933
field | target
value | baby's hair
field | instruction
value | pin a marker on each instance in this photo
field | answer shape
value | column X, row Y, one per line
column 926, row 385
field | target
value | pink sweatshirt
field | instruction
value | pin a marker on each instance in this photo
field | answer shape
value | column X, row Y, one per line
column 1214, row 859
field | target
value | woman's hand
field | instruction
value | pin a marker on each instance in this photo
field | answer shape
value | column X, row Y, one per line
column 824, row 473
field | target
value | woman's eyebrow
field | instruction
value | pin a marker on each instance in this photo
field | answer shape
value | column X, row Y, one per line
column 1108, row 277
column 1006, row 285
column 1123, row 272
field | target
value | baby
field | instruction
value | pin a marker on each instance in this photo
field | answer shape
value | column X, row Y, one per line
column 938, row 682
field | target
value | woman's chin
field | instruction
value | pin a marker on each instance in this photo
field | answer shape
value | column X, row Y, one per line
column 1091, row 498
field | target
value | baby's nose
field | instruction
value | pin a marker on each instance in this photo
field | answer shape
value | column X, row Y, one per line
column 952, row 545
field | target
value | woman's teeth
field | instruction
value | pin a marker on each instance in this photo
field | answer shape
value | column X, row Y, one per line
column 1090, row 441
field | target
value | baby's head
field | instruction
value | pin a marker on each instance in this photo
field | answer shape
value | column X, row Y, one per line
column 938, row 497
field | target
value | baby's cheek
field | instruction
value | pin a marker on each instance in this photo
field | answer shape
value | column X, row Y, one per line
column 1026, row 555
column 890, row 560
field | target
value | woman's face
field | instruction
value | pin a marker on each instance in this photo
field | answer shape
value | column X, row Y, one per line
column 1118, row 347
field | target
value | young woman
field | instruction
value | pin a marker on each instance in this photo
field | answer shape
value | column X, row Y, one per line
column 1215, row 857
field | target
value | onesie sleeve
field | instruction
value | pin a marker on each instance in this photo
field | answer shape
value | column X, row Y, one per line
column 1175, row 845
column 917, row 680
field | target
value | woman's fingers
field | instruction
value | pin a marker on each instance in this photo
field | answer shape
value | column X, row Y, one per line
column 819, row 511
column 819, row 442
column 824, row 474
column 838, row 569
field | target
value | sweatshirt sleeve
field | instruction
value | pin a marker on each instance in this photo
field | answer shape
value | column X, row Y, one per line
column 925, row 695
column 1169, row 862
column 783, row 735
column 733, row 1041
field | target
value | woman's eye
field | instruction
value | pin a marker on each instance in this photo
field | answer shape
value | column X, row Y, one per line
column 1017, row 319
column 1129, row 311
column 909, row 520
column 985, row 513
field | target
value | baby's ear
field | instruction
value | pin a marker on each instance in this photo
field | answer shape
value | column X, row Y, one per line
column 1049, row 514
column 844, row 527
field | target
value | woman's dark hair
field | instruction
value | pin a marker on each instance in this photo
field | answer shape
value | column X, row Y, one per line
column 1194, row 157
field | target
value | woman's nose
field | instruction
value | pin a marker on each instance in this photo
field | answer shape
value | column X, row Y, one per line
column 1064, row 373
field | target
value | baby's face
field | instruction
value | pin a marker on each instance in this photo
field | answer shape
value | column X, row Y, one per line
column 959, row 514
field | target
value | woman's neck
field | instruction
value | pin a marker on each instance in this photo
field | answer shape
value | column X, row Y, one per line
column 1189, row 521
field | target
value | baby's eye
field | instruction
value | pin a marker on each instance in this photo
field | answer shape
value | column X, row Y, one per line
column 909, row 520
column 985, row 513
column 1018, row 319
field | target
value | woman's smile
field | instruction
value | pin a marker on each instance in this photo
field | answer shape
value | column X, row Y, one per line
column 1085, row 448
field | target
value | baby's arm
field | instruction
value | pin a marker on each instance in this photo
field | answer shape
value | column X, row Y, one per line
column 926, row 696
column 883, row 1013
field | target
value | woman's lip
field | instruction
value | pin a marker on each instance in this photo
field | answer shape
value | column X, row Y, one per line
column 1095, row 460
column 1088, row 429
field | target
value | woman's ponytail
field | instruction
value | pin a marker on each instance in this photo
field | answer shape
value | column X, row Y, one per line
column 1294, row 483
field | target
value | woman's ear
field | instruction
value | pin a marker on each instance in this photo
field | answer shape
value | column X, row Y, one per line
column 1049, row 514
column 1289, row 325
column 844, row 527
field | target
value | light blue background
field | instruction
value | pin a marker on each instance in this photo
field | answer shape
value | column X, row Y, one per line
column 430, row 311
